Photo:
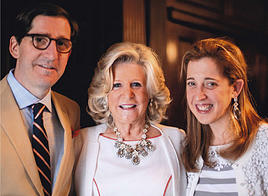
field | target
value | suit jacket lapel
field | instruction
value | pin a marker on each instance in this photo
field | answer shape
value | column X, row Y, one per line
column 67, row 160
column 16, row 130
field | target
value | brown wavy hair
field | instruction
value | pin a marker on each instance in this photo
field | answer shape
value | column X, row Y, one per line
column 231, row 61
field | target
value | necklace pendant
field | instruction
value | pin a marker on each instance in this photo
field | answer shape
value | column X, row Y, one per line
column 143, row 136
column 148, row 142
column 128, row 155
column 121, row 152
column 143, row 142
column 144, row 153
column 135, row 160
column 133, row 153
column 139, row 148
column 117, row 144
column 129, row 152
column 150, row 147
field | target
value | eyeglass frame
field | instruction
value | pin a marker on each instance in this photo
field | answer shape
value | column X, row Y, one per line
column 50, row 39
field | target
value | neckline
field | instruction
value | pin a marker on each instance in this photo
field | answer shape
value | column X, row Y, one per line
column 219, row 147
column 114, row 139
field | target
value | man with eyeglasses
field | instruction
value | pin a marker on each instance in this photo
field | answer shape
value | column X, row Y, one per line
column 41, row 46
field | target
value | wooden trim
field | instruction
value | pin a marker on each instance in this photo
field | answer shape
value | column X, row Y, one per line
column 134, row 21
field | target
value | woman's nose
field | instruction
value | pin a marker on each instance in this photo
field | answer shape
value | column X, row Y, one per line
column 129, row 92
column 201, row 94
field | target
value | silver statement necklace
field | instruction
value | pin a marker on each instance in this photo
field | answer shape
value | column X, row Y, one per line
column 129, row 152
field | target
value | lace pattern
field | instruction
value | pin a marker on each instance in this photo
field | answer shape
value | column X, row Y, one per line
column 190, row 179
column 215, row 158
column 256, row 169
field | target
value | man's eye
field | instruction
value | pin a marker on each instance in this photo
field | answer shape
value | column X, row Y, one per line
column 60, row 42
column 41, row 39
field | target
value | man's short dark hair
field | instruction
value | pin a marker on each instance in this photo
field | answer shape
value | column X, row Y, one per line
column 25, row 18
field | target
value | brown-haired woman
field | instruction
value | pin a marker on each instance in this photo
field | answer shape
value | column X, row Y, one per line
column 226, row 149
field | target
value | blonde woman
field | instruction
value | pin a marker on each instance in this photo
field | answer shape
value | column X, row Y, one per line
column 129, row 153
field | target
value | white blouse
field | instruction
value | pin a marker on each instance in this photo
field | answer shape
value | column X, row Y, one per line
column 219, row 179
column 118, row 176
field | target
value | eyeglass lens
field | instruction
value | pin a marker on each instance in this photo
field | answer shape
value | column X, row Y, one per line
column 42, row 42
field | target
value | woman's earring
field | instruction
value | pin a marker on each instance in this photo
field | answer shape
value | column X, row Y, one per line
column 105, row 103
column 236, row 110
column 105, row 106
column 151, row 103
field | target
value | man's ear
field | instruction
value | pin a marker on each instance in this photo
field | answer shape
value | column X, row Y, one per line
column 238, row 86
column 14, row 47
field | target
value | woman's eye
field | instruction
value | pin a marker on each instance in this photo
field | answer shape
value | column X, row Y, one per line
column 211, row 84
column 190, row 83
column 136, row 84
column 116, row 85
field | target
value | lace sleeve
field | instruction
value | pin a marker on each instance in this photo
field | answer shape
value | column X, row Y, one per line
column 256, row 169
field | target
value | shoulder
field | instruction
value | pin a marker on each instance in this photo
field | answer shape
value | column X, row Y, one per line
column 63, row 99
column 92, row 132
column 263, row 129
column 171, row 131
column 4, row 86
column 175, row 134
column 262, row 135
column 87, row 135
column 254, row 163
column 65, row 103
column 258, row 149
column 3, row 81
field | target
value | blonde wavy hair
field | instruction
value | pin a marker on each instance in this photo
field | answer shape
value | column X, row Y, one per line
column 102, row 82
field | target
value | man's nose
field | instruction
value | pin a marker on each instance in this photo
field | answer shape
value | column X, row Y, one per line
column 51, row 51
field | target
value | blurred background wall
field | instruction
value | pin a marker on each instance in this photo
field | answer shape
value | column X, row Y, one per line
column 168, row 26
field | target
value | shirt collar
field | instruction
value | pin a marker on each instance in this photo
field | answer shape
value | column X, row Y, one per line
column 47, row 101
column 24, row 97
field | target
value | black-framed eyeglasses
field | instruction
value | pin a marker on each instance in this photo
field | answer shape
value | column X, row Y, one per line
column 42, row 42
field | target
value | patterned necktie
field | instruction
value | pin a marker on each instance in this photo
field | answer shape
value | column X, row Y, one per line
column 41, row 148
